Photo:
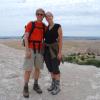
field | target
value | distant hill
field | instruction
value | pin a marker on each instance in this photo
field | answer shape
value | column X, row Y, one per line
column 81, row 38
column 64, row 37
column 10, row 37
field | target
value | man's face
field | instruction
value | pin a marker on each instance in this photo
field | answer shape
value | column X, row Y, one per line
column 40, row 15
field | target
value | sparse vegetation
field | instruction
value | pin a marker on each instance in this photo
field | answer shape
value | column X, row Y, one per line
column 81, row 52
column 82, row 59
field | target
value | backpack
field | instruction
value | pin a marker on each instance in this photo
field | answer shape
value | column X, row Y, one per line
column 32, row 29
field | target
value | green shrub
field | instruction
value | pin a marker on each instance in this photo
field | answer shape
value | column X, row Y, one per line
column 93, row 62
column 73, row 54
column 69, row 59
column 83, row 59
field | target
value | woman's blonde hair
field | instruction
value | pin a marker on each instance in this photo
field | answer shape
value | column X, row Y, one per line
column 49, row 13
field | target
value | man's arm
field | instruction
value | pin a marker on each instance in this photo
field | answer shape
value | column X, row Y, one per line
column 27, row 50
column 26, row 36
column 26, row 40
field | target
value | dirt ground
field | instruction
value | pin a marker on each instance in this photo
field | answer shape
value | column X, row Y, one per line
column 77, row 82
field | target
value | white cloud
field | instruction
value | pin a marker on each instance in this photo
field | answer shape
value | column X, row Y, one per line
column 15, row 13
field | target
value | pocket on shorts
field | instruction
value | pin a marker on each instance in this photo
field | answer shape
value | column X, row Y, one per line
column 39, row 61
column 28, row 63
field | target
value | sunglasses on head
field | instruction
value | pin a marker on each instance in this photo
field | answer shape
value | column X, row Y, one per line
column 40, row 14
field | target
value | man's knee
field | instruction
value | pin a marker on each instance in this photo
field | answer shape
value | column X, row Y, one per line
column 37, row 69
column 27, row 72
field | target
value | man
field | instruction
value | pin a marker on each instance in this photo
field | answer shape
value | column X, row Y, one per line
column 33, row 49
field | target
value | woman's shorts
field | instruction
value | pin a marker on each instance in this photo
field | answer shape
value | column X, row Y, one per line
column 52, row 64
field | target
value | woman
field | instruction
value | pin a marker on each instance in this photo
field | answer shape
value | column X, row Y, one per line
column 52, row 55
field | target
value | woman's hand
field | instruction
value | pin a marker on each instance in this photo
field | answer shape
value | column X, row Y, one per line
column 59, row 56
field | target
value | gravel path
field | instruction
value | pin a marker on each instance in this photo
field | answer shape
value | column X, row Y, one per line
column 77, row 82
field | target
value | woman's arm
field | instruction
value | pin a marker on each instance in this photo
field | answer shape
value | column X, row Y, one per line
column 60, row 34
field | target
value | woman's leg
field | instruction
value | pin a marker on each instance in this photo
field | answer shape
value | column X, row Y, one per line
column 56, row 74
column 50, row 69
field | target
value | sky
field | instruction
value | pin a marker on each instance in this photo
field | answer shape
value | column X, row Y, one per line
column 77, row 17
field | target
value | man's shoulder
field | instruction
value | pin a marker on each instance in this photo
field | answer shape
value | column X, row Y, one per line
column 30, row 22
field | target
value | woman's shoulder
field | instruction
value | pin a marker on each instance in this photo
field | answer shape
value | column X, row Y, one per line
column 57, row 25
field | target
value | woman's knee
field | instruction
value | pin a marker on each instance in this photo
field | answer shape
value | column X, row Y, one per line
column 56, row 72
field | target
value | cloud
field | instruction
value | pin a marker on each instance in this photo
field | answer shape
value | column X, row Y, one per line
column 70, row 13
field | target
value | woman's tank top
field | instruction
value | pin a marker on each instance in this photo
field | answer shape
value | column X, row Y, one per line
column 51, row 36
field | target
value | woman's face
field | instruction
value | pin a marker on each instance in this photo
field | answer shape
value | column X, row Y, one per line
column 49, row 17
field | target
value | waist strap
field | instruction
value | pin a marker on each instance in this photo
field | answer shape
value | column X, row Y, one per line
column 34, row 45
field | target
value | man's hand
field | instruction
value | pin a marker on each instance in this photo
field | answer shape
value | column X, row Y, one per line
column 28, row 53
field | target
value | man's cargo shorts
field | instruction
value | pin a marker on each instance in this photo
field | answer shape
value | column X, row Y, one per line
column 36, row 61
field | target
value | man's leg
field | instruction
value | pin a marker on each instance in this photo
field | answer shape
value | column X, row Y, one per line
column 36, row 73
column 28, row 67
column 26, row 80
column 27, row 76
column 38, row 62
column 36, row 87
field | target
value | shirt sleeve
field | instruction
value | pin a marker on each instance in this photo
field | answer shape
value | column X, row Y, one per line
column 28, row 27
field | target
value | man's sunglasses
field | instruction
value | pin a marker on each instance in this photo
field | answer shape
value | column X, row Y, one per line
column 39, row 14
